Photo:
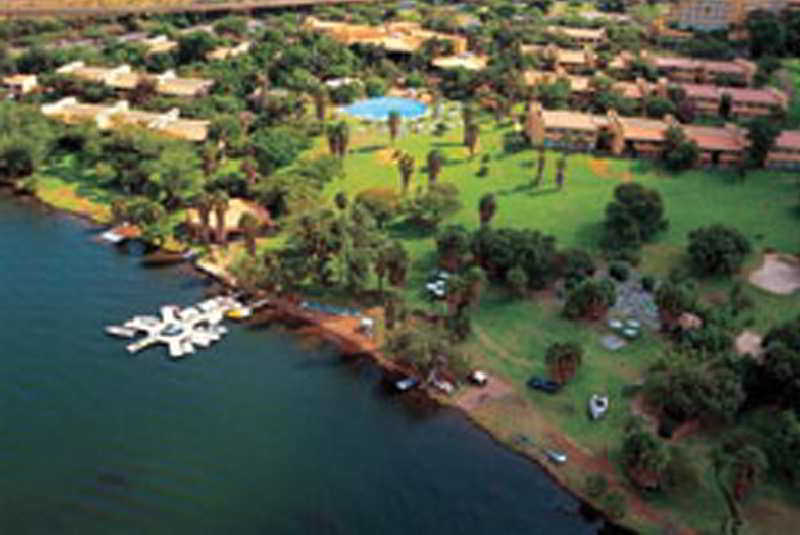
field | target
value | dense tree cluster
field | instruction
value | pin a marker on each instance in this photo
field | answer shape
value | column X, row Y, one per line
column 635, row 216
column 717, row 250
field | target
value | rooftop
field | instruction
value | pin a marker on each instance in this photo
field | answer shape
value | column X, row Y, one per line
column 466, row 61
column 713, row 138
column 788, row 139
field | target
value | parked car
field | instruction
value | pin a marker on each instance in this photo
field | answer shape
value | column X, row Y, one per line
column 545, row 385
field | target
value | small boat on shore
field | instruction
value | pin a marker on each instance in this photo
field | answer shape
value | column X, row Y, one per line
column 406, row 384
column 598, row 406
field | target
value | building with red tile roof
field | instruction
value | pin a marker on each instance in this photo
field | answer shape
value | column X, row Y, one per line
column 785, row 153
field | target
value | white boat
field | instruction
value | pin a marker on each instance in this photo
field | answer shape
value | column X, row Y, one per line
column 598, row 406
column 112, row 237
column 556, row 456
column 122, row 332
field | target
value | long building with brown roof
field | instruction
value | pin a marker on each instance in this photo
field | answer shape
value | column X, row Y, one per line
column 398, row 37
column 109, row 116
column 643, row 137
column 679, row 69
column 123, row 78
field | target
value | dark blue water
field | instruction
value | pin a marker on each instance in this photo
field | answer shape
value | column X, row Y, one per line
column 262, row 434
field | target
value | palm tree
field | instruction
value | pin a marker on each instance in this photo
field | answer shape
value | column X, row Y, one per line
column 341, row 201
column 435, row 161
column 320, row 98
column 249, row 224
column 210, row 156
column 394, row 125
column 220, row 204
column 475, row 280
column 539, row 167
column 342, row 137
column 264, row 97
column 471, row 138
column 250, row 170
column 742, row 464
column 406, row 163
column 563, row 360
column 333, row 139
column 561, row 166
column 203, row 203
column 487, row 207
column 468, row 116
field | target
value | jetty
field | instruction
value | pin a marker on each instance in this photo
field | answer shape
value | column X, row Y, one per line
column 180, row 329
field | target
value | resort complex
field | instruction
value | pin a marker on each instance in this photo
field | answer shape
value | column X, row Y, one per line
column 575, row 224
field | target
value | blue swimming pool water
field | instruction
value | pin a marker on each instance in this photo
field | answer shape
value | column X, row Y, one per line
column 378, row 108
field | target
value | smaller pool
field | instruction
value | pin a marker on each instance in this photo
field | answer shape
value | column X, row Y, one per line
column 378, row 108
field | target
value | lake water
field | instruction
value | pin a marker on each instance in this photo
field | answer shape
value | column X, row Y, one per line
column 261, row 434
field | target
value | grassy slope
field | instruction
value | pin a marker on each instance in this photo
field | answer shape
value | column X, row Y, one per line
column 511, row 336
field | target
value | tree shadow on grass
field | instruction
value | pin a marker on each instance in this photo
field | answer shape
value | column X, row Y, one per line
column 443, row 144
column 645, row 167
column 407, row 230
column 369, row 148
column 590, row 235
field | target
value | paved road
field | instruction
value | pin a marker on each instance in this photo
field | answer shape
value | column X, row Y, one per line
column 228, row 6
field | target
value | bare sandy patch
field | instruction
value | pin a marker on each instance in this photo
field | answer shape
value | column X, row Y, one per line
column 749, row 343
column 474, row 397
column 779, row 274
column 599, row 167
column 385, row 156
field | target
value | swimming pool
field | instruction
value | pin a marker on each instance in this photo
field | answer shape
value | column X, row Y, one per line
column 378, row 108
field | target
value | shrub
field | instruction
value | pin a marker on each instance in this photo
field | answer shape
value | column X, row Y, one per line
column 596, row 485
column 486, row 158
column 382, row 203
column 648, row 283
column 615, row 505
column 635, row 215
column 717, row 250
column 577, row 266
column 590, row 299
column 619, row 271
column 440, row 129
column 375, row 87
column 415, row 80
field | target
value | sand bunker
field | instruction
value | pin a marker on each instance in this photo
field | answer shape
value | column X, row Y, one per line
column 385, row 156
column 599, row 167
column 779, row 274
column 749, row 343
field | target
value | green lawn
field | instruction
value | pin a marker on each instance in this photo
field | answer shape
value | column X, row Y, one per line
column 511, row 335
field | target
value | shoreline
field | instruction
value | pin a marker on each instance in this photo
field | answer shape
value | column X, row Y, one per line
column 354, row 343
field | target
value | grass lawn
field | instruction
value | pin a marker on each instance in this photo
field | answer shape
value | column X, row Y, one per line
column 510, row 336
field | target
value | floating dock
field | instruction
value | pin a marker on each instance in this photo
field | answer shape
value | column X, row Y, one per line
column 179, row 329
